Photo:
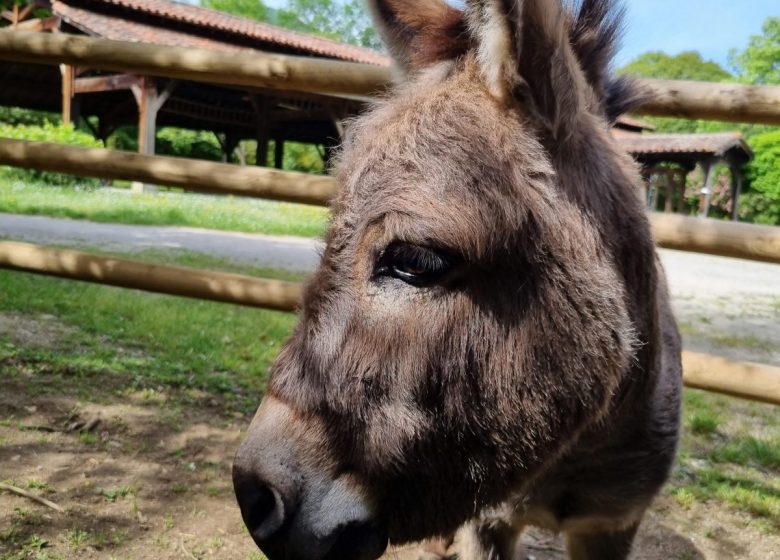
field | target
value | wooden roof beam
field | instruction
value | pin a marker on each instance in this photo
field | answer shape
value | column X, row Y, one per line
column 39, row 25
column 99, row 84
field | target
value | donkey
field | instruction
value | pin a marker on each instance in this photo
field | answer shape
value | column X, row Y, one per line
column 487, row 342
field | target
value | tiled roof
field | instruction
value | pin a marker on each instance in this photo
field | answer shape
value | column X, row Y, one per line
column 120, row 29
column 710, row 144
column 114, row 24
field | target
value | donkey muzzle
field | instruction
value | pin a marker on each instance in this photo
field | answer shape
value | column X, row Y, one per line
column 291, row 504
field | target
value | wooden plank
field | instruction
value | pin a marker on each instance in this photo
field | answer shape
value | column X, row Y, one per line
column 164, row 279
column 39, row 24
column 712, row 101
column 717, row 237
column 746, row 380
column 686, row 99
column 98, row 84
column 193, row 175
column 272, row 71
column 66, row 70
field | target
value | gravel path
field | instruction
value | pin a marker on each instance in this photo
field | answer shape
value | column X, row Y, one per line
column 262, row 251
column 728, row 307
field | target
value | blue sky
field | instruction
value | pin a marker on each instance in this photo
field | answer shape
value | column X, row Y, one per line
column 712, row 27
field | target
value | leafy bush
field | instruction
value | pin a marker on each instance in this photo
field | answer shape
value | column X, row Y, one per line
column 761, row 203
column 47, row 132
column 188, row 144
column 18, row 115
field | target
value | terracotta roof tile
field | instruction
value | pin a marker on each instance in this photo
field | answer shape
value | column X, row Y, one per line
column 81, row 16
column 119, row 29
column 716, row 144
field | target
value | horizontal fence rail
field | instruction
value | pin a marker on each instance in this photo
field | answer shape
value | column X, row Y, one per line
column 189, row 174
column 693, row 100
column 747, row 380
column 716, row 237
column 747, row 241
column 163, row 279
column 253, row 68
column 739, row 379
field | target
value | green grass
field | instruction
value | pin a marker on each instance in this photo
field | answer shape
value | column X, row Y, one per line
column 164, row 208
column 730, row 454
column 138, row 341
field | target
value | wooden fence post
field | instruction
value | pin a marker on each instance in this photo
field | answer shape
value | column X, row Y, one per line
column 149, row 101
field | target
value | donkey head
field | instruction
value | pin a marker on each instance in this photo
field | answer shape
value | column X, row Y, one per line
column 467, row 321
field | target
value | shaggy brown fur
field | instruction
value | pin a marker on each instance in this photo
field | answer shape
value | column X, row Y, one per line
column 538, row 381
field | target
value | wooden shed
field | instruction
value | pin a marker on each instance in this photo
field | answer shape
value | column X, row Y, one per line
column 671, row 157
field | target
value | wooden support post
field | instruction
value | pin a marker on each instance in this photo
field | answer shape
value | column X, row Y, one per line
column 262, row 125
column 229, row 146
column 683, row 183
column 646, row 173
column 669, row 197
column 279, row 153
column 66, row 70
column 737, row 177
column 709, row 177
column 149, row 102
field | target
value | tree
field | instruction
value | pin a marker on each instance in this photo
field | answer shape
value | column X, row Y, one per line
column 346, row 22
column 762, row 201
column 759, row 63
column 252, row 9
column 688, row 65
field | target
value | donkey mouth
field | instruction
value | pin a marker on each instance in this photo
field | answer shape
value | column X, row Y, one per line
column 358, row 541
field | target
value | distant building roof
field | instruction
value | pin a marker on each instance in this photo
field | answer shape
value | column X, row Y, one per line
column 176, row 24
column 716, row 144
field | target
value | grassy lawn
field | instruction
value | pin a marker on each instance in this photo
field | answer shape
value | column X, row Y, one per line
column 165, row 208
column 145, row 340
column 730, row 456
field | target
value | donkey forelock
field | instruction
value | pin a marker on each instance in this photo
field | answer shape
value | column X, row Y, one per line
column 487, row 294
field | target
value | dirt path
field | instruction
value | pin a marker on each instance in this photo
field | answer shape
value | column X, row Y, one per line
column 262, row 251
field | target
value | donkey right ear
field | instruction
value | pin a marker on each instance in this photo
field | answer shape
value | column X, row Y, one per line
column 419, row 33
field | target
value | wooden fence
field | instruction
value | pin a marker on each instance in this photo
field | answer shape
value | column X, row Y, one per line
column 687, row 99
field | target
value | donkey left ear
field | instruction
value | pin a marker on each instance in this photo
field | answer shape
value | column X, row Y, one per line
column 419, row 33
column 524, row 52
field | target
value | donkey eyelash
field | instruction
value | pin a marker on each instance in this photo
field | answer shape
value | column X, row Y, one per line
column 414, row 264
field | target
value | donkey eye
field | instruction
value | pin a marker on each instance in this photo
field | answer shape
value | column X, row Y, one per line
column 415, row 265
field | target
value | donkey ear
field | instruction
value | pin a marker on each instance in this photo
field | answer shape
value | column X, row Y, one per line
column 524, row 52
column 419, row 33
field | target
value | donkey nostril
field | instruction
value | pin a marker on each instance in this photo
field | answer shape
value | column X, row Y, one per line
column 263, row 511
column 358, row 541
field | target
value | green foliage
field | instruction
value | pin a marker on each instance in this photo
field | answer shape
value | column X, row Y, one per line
column 346, row 22
column 762, row 203
column 759, row 63
column 18, row 115
column 47, row 132
column 300, row 157
column 252, row 9
column 188, row 143
column 39, row 12
column 688, row 65
column 164, row 208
